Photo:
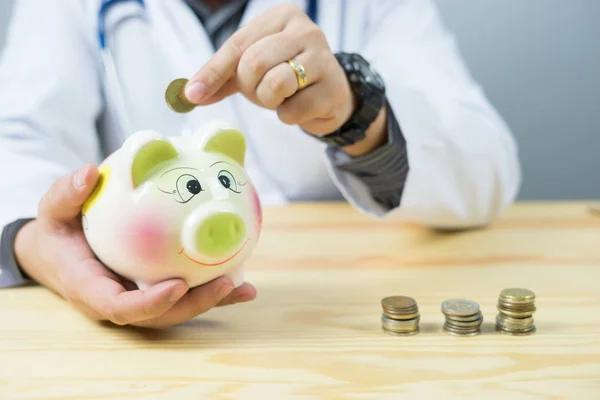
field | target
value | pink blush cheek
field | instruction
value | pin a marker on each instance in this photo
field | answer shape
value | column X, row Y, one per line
column 256, row 207
column 147, row 238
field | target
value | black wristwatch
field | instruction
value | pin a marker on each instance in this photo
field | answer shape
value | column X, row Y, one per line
column 370, row 94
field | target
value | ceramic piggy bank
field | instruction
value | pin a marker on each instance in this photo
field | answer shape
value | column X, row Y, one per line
column 177, row 207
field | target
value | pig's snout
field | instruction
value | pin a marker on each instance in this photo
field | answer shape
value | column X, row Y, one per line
column 214, row 233
column 220, row 234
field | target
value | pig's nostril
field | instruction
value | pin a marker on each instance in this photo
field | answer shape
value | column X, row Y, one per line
column 220, row 234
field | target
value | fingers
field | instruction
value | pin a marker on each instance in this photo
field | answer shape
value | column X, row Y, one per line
column 270, row 89
column 197, row 301
column 101, row 296
column 281, row 82
column 230, row 87
column 108, row 298
column 66, row 196
column 246, row 292
column 276, row 86
column 308, row 104
column 262, row 56
column 223, row 65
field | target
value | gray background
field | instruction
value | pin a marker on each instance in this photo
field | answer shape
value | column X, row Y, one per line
column 539, row 63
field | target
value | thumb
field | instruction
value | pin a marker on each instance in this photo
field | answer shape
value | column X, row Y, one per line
column 64, row 200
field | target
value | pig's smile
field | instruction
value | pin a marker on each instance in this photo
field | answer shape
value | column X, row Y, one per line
column 219, row 263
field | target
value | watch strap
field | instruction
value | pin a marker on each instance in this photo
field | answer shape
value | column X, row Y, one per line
column 369, row 89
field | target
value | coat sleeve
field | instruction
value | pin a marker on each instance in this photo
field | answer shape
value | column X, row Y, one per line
column 463, row 166
column 49, row 103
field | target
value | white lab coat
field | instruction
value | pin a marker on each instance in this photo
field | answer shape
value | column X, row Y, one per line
column 54, row 117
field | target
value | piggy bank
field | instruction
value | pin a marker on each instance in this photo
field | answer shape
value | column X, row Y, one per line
column 175, row 207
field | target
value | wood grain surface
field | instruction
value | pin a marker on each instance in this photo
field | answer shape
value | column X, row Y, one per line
column 314, row 330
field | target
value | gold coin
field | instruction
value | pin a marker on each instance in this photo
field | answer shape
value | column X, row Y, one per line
column 385, row 317
column 516, row 333
column 516, row 314
column 514, row 321
column 514, row 325
column 400, row 330
column 411, row 333
column 392, row 325
column 400, row 316
column 523, row 307
column 397, row 303
column 516, row 306
column 517, row 295
column 175, row 97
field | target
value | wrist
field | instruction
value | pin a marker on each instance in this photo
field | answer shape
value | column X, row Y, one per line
column 24, row 247
column 375, row 137
column 364, row 129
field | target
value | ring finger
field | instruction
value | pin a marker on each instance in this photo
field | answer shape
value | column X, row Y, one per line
column 263, row 56
column 281, row 82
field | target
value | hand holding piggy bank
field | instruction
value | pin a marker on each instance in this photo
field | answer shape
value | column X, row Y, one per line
column 178, row 207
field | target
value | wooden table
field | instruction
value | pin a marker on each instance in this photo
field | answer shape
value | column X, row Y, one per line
column 314, row 331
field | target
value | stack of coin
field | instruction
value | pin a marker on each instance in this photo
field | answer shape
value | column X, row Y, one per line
column 595, row 209
column 516, row 307
column 400, row 315
column 463, row 317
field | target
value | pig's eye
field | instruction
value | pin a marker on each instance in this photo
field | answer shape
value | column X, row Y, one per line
column 228, row 181
column 187, row 187
column 193, row 186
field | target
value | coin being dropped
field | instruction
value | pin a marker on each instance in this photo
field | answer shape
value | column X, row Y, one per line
column 175, row 97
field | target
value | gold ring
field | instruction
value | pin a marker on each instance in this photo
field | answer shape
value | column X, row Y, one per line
column 299, row 71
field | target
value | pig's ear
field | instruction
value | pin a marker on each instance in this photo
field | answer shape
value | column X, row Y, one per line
column 223, row 138
column 145, row 150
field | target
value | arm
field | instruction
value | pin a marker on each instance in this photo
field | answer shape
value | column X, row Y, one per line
column 463, row 167
column 462, row 162
column 47, row 140
column 49, row 103
column 379, row 162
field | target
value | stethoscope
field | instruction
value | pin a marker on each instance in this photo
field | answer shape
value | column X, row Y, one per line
column 112, row 80
column 311, row 11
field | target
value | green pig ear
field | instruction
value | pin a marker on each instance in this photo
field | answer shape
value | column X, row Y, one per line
column 221, row 138
column 146, row 150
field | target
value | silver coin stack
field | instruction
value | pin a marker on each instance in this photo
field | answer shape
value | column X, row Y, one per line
column 463, row 317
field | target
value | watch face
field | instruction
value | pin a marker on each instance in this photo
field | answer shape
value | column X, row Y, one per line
column 377, row 81
column 359, row 69
column 364, row 70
